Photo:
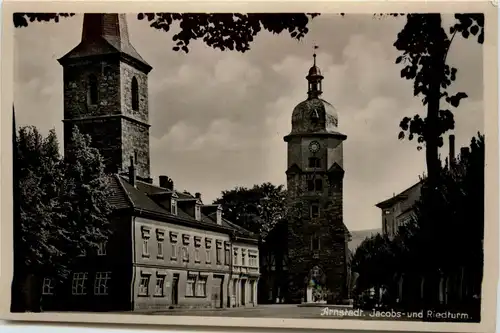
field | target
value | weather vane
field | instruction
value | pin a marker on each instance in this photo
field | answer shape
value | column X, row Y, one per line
column 314, row 54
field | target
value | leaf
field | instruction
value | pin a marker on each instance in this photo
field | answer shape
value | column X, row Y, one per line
column 474, row 30
column 401, row 135
column 399, row 59
column 455, row 99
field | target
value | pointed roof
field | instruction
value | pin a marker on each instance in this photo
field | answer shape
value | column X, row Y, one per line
column 336, row 168
column 105, row 34
column 293, row 169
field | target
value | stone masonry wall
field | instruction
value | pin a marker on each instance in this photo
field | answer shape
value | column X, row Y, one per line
column 116, row 138
column 332, row 255
column 127, row 74
column 135, row 138
column 106, row 136
column 76, row 89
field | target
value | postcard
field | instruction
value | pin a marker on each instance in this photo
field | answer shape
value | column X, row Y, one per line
column 319, row 165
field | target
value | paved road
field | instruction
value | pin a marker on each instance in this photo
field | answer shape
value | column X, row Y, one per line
column 260, row 311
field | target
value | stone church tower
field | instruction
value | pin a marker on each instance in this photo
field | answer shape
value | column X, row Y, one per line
column 317, row 236
column 106, row 93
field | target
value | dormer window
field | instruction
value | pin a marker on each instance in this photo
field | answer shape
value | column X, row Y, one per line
column 197, row 212
column 173, row 206
column 219, row 216
column 93, row 92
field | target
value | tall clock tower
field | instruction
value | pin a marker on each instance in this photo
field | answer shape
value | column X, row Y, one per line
column 317, row 236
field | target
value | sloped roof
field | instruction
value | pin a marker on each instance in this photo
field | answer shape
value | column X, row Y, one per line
column 124, row 195
column 105, row 34
column 399, row 197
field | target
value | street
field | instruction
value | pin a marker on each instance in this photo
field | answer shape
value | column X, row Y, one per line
column 270, row 311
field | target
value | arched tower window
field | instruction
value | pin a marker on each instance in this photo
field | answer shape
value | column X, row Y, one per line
column 135, row 94
column 93, row 92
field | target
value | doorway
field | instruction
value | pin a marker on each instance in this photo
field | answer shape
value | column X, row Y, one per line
column 243, row 292
column 175, row 289
column 217, row 288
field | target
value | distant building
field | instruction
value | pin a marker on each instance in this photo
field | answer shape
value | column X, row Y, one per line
column 452, row 288
column 168, row 248
column 399, row 209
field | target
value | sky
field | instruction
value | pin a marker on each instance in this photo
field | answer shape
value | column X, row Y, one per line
column 218, row 118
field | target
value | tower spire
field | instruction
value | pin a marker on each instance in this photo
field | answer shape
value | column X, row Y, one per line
column 314, row 78
column 314, row 54
column 105, row 34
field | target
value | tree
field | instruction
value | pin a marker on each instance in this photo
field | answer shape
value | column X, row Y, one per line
column 228, row 31
column 374, row 261
column 257, row 209
column 62, row 207
column 423, row 42
column 425, row 45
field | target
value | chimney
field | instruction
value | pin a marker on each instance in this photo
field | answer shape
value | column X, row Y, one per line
column 197, row 195
column 452, row 149
column 166, row 182
column 131, row 172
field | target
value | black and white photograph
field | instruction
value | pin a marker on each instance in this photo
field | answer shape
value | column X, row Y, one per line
column 261, row 165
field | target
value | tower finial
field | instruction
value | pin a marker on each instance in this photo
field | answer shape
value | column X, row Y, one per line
column 314, row 54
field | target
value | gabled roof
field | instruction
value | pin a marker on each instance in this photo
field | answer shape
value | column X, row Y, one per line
column 141, row 197
column 336, row 168
column 399, row 197
column 294, row 168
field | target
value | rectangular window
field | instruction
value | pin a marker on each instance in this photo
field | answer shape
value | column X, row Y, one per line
column 173, row 243
column 185, row 254
column 173, row 207
column 201, row 286
column 208, row 246
column 197, row 255
column 160, row 237
column 315, row 243
column 190, row 285
column 79, row 283
column 101, row 251
column 145, row 241
column 218, row 254
column 243, row 257
column 227, row 254
column 48, row 286
column 314, row 162
column 252, row 260
column 197, row 213
column 314, row 210
column 235, row 257
column 144, row 285
column 310, row 185
column 101, row 283
column 315, row 185
column 160, row 286
column 318, row 184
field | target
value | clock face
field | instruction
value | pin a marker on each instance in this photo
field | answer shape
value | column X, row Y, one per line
column 314, row 146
